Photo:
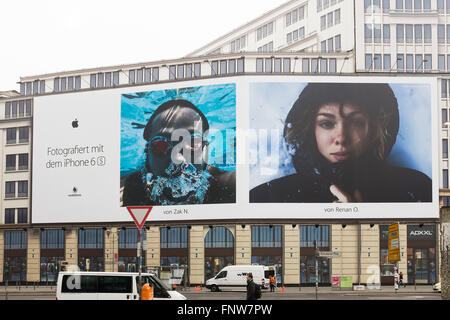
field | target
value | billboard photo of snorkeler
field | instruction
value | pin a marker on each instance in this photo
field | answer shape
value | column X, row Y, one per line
column 176, row 168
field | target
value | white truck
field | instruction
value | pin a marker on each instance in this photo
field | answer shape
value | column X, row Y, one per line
column 236, row 277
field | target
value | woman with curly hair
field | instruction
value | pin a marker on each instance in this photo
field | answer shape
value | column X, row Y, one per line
column 339, row 136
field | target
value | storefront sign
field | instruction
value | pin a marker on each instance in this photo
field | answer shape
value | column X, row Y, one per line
column 421, row 233
column 347, row 282
column 394, row 243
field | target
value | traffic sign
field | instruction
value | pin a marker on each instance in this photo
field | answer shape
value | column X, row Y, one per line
column 139, row 215
column 329, row 254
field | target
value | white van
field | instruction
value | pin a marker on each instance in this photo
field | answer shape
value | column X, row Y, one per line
column 109, row 286
column 236, row 276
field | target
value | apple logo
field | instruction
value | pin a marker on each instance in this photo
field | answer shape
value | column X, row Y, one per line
column 75, row 190
column 75, row 123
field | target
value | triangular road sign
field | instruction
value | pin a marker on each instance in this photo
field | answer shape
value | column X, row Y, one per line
column 139, row 215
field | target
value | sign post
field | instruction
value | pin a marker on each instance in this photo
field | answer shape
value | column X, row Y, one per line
column 139, row 215
column 394, row 243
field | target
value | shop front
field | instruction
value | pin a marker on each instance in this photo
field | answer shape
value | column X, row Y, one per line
column 422, row 266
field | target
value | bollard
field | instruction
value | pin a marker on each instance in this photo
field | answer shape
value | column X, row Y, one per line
column 147, row 292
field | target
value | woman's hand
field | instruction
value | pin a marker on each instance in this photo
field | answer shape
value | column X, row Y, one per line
column 345, row 197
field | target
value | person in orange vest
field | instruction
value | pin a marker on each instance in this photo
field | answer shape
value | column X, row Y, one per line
column 272, row 284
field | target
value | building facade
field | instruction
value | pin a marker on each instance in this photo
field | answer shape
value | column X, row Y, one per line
column 300, row 37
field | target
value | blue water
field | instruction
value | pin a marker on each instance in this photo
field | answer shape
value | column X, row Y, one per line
column 217, row 102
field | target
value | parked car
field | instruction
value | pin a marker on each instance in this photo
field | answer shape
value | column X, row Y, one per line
column 236, row 276
column 437, row 287
column 109, row 286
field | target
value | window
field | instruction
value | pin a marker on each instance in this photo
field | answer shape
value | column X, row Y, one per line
column 128, row 238
column 7, row 110
column 445, row 148
column 10, row 189
column 386, row 5
column 368, row 61
column 337, row 43
column 337, row 16
column 277, row 65
column 223, row 67
column 10, row 162
column 310, row 235
column 219, row 237
column 314, row 65
column 386, row 33
column 408, row 5
column 418, row 33
column 116, row 78
column 377, row 33
column 21, row 108
column 16, row 239
column 77, row 82
column 387, row 62
column 240, row 65
column 330, row 21
column 28, row 88
column 440, row 6
column 174, row 237
column 189, row 70
column 28, row 108
column 93, row 81
column 140, row 76
column 70, row 83
column 36, row 87
column 368, row 33
column 427, row 63
column 323, row 46
column 63, row 84
column 14, row 109
column 409, row 33
column 264, row 31
column 409, row 63
column 266, row 236
column 23, row 134
column 377, row 61
column 427, row 33
column 441, row 33
column 400, row 33
column 108, row 79
column 197, row 69
column 131, row 76
column 305, row 65
column 445, row 178
column 11, row 135
column 214, row 68
column 441, row 62
column 115, row 284
column 42, row 86
column 444, row 90
column 448, row 33
column 289, row 37
column 100, row 79
column 52, row 239
column 232, row 66
column 323, row 22
column 155, row 74
column 10, row 216
column 180, row 71
column 444, row 118
column 417, row 5
column 286, row 65
column 90, row 238
column 259, row 65
column 22, row 215
column 22, row 189
column 332, row 65
column 419, row 63
column 172, row 72
column 222, row 274
column 23, row 161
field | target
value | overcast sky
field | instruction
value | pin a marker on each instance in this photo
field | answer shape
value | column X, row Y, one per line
column 45, row 36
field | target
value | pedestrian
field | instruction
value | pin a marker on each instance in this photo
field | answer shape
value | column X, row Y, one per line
column 401, row 280
column 272, row 283
column 253, row 290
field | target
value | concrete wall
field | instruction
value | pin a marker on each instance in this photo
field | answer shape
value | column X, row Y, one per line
column 154, row 243
column 33, row 255
column 243, row 240
column 197, row 254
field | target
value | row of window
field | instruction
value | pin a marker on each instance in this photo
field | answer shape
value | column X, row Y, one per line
column 18, row 109
column 331, row 45
column 443, row 6
column 331, row 19
column 409, row 33
column 414, row 63
column 375, row 6
column 10, row 189
column 264, row 31
column 184, row 71
column 11, row 135
column 445, row 86
column 230, row 66
column 445, row 148
column 268, row 47
column 142, row 75
column 313, row 65
column 295, row 15
column 296, row 35
column 13, row 159
column 419, row 5
column 10, row 215
column 35, row 87
column 238, row 44
column 443, row 63
column 443, row 33
column 324, row 4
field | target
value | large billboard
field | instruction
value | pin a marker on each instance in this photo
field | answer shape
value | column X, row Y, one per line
column 239, row 148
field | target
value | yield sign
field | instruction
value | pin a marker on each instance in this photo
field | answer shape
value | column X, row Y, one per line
column 139, row 215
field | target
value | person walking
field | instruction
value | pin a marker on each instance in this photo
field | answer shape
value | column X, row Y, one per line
column 272, row 284
column 400, row 283
column 253, row 290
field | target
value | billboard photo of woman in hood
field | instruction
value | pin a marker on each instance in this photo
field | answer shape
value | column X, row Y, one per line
column 339, row 136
